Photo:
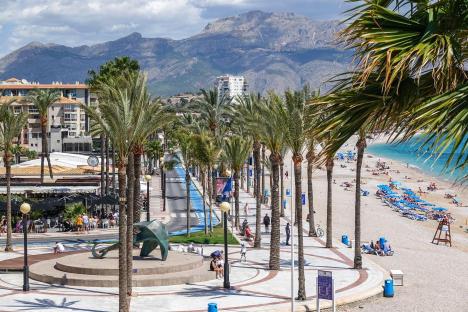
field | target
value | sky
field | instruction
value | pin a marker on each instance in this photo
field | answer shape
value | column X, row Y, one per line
column 86, row 22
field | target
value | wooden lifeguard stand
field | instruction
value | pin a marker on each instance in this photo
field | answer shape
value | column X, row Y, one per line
column 443, row 228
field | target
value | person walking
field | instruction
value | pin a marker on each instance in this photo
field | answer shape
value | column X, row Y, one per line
column 243, row 252
column 288, row 233
column 266, row 223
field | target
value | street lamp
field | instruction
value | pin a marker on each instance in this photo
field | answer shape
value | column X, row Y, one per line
column 25, row 208
column 225, row 207
column 163, row 182
column 148, row 180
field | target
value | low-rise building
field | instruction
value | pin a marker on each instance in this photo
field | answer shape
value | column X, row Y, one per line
column 68, row 123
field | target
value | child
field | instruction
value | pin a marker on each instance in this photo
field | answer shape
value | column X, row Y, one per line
column 243, row 252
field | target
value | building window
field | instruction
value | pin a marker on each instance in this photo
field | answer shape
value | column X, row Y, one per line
column 70, row 108
column 69, row 117
column 33, row 110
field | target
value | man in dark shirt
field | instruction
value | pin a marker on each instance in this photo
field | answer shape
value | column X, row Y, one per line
column 266, row 222
column 288, row 233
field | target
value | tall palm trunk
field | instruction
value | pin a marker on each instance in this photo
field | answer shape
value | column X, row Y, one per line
column 187, row 197
column 6, row 160
column 263, row 172
column 243, row 176
column 137, row 200
column 258, row 206
column 103, row 181
column 310, row 192
column 113, row 170
column 210, row 203
column 236, row 198
column 274, row 263
column 123, row 279
column 107, row 165
column 203, row 174
column 45, row 150
column 361, row 145
column 297, row 159
column 329, row 165
column 282, row 187
column 130, row 207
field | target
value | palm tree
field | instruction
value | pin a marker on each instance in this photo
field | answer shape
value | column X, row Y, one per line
column 11, row 126
column 293, row 115
column 125, row 114
column 42, row 100
column 248, row 110
column 153, row 151
column 185, row 142
column 207, row 152
column 421, row 59
column 310, row 156
column 236, row 150
column 212, row 109
column 271, row 130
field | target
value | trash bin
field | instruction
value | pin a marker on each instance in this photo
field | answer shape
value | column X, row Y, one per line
column 388, row 288
column 345, row 239
column 212, row 307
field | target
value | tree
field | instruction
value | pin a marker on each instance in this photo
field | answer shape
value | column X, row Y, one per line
column 293, row 115
column 11, row 126
column 236, row 151
column 271, row 130
column 125, row 114
column 248, row 113
column 42, row 100
column 207, row 152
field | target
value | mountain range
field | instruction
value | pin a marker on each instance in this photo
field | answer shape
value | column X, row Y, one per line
column 274, row 51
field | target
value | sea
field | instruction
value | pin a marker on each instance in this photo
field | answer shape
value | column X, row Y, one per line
column 416, row 155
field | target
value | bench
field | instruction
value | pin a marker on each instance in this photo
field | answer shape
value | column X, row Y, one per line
column 397, row 277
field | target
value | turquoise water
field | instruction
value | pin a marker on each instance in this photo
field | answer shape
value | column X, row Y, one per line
column 416, row 155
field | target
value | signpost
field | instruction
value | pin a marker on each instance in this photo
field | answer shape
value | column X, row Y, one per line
column 303, row 199
column 325, row 288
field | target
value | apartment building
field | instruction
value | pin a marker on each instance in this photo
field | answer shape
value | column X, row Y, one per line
column 231, row 86
column 68, row 124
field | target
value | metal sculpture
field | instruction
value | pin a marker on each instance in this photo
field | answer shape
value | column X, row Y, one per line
column 151, row 233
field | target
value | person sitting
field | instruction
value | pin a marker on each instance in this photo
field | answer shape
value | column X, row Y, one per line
column 190, row 248
column 378, row 250
column 244, row 226
column 59, row 248
column 388, row 249
column 219, row 268
column 248, row 233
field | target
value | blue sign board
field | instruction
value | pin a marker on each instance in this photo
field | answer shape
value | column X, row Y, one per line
column 250, row 172
column 288, row 192
column 325, row 285
column 303, row 199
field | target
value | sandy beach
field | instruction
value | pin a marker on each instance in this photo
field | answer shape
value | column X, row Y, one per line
column 434, row 275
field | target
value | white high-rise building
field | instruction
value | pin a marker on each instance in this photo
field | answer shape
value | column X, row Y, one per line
column 231, row 86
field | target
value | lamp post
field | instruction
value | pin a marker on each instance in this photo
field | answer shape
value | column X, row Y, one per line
column 225, row 207
column 163, row 182
column 148, row 180
column 25, row 208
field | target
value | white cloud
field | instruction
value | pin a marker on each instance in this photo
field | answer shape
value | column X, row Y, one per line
column 78, row 22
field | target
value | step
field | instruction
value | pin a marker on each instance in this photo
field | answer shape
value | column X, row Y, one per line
column 46, row 272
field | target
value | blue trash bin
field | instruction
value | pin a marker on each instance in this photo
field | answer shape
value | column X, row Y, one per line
column 212, row 307
column 388, row 288
column 345, row 239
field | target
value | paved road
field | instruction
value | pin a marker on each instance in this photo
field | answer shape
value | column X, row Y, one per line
column 175, row 194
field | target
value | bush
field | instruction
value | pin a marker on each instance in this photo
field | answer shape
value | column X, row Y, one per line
column 217, row 237
column 73, row 210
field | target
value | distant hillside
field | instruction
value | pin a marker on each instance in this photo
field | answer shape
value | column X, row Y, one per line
column 273, row 50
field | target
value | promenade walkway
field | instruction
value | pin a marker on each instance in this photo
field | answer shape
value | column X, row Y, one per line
column 254, row 287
